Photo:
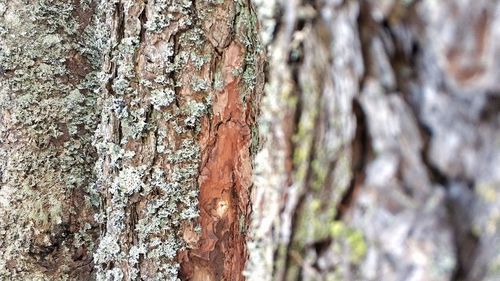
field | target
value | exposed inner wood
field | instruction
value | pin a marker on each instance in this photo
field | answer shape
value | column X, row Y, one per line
column 225, row 180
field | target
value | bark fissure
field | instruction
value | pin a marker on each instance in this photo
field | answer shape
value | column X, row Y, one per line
column 359, row 158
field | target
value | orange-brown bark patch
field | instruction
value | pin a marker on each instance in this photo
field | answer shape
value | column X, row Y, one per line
column 225, row 180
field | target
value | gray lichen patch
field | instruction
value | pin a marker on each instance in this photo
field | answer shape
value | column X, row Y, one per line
column 49, row 108
column 199, row 85
column 195, row 110
column 162, row 98
column 246, row 28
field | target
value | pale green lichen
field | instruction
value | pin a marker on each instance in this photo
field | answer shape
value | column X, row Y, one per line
column 188, row 151
column 135, row 252
column 351, row 238
column 129, row 181
column 107, row 249
column 134, row 124
column 164, row 12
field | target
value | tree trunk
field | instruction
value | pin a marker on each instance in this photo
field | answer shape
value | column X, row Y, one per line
column 381, row 160
column 171, row 89
column 128, row 131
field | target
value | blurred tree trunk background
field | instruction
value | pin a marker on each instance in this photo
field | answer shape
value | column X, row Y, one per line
column 258, row 140
column 381, row 159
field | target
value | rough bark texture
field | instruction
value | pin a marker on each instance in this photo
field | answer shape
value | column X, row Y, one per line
column 127, row 137
column 127, row 132
column 175, row 139
column 382, row 127
column 49, row 59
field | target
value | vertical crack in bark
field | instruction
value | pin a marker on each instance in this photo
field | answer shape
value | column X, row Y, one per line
column 120, row 22
column 143, row 19
column 360, row 144
column 459, row 212
column 360, row 151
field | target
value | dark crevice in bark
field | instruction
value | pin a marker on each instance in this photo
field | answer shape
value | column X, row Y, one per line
column 435, row 175
column 359, row 158
column 172, row 75
column 459, row 203
column 466, row 242
column 58, row 235
column 120, row 28
column 277, row 26
column 133, row 236
column 143, row 20
column 360, row 144
column 297, row 113
column 459, row 212
column 490, row 111
column 295, row 60
column 147, row 119
column 366, row 28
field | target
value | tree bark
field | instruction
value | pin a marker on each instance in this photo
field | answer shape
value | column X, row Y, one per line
column 50, row 55
column 128, row 131
column 175, row 140
column 381, row 158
